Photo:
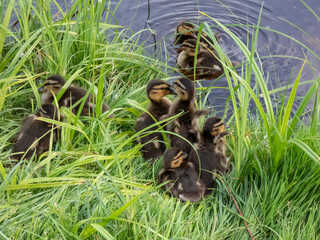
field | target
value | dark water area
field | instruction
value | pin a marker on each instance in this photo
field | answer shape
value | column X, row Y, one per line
column 281, row 57
column 162, row 16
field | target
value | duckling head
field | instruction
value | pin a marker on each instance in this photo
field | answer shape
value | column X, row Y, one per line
column 48, row 111
column 157, row 89
column 189, row 47
column 185, row 89
column 173, row 158
column 213, row 126
column 186, row 29
column 53, row 84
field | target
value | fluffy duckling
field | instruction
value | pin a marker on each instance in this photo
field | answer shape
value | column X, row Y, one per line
column 187, row 124
column 34, row 134
column 207, row 65
column 183, row 176
column 70, row 97
column 186, row 30
column 211, row 151
column 160, row 105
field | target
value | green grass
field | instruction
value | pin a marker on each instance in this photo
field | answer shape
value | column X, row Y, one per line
column 94, row 183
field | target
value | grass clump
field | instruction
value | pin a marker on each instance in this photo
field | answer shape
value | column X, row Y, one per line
column 94, row 184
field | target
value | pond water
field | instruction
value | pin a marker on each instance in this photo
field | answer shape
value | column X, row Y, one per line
column 162, row 16
column 285, row 16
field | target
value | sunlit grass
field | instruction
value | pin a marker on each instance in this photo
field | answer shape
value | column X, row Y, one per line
column 94, row 184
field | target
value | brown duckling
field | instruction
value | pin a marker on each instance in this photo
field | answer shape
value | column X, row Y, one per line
column 183, row 176
column 211, row 151
column 70, row 97
column 186, row 30
column 160, row 105
column 186, row 125
column 35, row 134
column 207, row 65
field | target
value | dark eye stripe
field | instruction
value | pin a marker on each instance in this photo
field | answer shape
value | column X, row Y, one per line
column 161, row 88
column 221, row 124
column 180, row 86
column 189, row 46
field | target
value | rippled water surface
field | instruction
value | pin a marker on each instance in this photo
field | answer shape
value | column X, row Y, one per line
column 280, row 56
column 162, row 16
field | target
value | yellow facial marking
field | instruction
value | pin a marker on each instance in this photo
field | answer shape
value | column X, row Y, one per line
column 218, row 128
column 159, row 91
column 177, row 160
column 184, row 29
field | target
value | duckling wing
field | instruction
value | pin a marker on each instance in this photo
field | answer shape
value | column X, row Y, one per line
column 34, row 134
column 153, row 146
column 208, row 66
column 186, row 132
column 73, row 96
column 205, row 164
column 190, row 187
column 170, row 176
column 183, row 183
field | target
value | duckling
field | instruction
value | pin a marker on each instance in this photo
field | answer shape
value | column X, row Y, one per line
column 211, row 151
column 34, row 134
column 207, row 65
column 183, row 176
column 70, row 97
column 186, row 30
column 159, row 107
column 185, row 125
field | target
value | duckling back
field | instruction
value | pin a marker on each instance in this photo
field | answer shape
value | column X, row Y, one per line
column 185, row 124
column 209, row 155
column 182, row 181
column 207, row 66
column 72, row 96
column 152, row 144
column 34, row 135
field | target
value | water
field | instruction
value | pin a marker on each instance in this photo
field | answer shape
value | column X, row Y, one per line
column 162, row 16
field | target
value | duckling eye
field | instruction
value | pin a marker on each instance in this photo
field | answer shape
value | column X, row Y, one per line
column 164, row 88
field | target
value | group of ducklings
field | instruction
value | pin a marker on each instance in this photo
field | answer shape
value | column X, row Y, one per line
column 195, row 157
column 35, row 135
column 207, row 65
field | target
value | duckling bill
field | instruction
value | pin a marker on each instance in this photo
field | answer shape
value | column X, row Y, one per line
column 153, row 145
column 34, row 135
column 180, row 176
column 71, row 97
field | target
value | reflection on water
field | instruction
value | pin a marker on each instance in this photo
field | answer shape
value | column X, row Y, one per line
column 163, row 16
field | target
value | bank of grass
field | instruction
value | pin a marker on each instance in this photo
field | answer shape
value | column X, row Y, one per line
column 94, row 184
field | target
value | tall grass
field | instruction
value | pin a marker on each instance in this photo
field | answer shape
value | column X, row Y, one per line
column 278, row 131
column 93, row 183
